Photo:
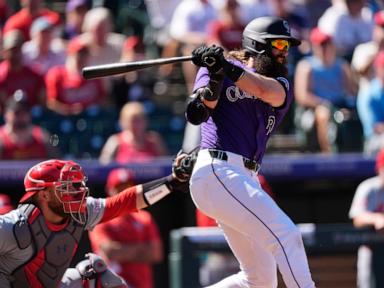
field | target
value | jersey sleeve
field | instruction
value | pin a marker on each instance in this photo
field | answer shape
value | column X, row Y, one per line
column 7, row 240
column 11, row 255
column 95, row 210
column 288, row 92
column 120, row 204
column 202, row 78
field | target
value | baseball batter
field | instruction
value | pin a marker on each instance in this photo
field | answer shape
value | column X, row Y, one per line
column 40, row 237
column 239, row 112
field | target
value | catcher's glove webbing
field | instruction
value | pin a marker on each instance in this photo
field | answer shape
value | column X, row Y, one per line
column 182, row 168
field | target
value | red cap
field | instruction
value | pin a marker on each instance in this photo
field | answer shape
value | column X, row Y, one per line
column 319, row 37
column 379, row 60
column 379, row 18
column 5, row 204
column 76, row 45
column 118, row 177
column 380, row 160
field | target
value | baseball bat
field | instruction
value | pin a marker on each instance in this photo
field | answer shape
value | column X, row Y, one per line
column 104, row 70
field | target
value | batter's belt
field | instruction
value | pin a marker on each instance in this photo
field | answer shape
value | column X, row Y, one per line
column 248, row 163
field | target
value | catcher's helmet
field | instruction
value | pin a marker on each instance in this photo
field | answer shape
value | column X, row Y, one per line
column 68, row 179
column 262, row 29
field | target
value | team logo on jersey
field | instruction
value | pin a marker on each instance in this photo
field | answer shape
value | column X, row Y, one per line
column 233, row 94
column 284, row 81
column 270, row 124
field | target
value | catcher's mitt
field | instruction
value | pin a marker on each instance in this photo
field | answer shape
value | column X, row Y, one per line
column 182, row 165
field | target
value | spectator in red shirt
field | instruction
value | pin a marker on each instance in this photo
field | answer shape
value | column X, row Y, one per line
column 22, row 20
column 15, row 74
column 134, row 142
column 19, row 139
column 130, row 244
column 68, row 93
column 227, row 30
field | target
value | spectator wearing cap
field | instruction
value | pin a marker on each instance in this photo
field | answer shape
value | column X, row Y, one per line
column 365, row 53
column 23, row 19
column 19, row 138
column 129, row 244
column 323, row 82
column 43, row 51
column 15, row 74
column 367, row 210
column 370, row 107
column 68, row 93
column 5, row 204
column 75, row 11
column 350, row 23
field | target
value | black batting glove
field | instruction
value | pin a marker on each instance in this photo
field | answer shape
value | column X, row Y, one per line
column 197, row 55
column 213, row 58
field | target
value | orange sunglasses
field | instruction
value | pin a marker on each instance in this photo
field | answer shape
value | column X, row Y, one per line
column 281, row 44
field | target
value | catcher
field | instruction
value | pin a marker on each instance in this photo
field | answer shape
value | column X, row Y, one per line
column 39, row 238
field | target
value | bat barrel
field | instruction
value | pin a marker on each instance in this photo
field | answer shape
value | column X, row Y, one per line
column 98, row 71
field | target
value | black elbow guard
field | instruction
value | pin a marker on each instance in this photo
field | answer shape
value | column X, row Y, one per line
column 196, row 112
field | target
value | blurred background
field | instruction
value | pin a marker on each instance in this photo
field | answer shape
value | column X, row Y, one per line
column 326, row 147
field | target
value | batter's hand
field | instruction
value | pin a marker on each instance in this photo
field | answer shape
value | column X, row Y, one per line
column 213, row 58
column 197, row 55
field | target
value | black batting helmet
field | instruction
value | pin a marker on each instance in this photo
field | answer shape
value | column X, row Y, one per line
column 262, row 29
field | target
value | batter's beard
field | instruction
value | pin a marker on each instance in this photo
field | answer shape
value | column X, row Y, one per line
column 268, row 66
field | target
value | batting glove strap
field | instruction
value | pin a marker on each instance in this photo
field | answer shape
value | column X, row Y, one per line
column 232, row 71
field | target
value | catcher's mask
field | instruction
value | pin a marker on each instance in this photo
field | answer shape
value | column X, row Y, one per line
column 68, row 180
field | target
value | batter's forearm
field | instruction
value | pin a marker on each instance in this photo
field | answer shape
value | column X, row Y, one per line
column 267, row 89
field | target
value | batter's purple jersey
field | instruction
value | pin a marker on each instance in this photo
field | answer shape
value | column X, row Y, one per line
column 241, row 123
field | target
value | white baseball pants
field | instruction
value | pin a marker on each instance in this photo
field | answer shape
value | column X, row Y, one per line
column 259, row 233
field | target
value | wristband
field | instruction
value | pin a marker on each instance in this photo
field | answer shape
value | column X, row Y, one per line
column 233, row 72
column 155, row 190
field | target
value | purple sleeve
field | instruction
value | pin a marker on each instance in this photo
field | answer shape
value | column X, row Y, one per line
column 202, row 78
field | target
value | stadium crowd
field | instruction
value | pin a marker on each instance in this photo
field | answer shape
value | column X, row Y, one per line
column 45, row 45
column 49, row 111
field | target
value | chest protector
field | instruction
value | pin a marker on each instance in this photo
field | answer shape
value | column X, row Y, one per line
column 59, row 247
